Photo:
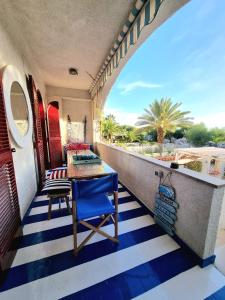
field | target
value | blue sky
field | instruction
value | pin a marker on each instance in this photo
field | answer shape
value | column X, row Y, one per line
column 184, row 59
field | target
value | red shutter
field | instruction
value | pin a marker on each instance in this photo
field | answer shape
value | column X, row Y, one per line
column 38, row 131
column 43, row 127
column 55, row 146
column 9, row 205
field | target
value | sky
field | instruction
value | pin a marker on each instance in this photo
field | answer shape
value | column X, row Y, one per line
column 184, row 59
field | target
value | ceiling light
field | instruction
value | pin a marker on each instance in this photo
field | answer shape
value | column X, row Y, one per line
column 73, row 71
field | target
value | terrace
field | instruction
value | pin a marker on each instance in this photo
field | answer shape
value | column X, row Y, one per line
column 40, row 41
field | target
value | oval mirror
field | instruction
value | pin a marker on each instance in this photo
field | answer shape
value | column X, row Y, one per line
column 19, row 108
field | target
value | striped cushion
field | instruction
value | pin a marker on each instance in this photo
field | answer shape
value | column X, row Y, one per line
column 57, row 174
column 49, row 173
column 57, row 185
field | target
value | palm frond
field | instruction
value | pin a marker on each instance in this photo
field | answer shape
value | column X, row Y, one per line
column 165, row 115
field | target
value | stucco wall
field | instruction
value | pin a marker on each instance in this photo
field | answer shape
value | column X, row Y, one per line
column 200, row 201
column 222, row 217
column 23, row 158
column 77, row 110
column 75, row 103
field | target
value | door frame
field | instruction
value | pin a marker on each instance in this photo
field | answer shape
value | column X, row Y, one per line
column 58, row 138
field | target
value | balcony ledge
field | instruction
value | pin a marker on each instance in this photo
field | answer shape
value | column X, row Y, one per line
column 209, row 180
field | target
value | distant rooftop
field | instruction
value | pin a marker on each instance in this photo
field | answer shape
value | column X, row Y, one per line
column 203, row 151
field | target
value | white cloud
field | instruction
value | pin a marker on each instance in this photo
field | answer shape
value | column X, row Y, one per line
column 122, row 117
column 212, row 120
column 128, row 87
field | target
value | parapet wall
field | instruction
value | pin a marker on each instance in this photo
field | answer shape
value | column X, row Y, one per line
column 199, row 196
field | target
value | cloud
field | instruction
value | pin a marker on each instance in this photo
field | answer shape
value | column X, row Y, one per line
column 212, row 120
column 128, row 87
column 122, row 117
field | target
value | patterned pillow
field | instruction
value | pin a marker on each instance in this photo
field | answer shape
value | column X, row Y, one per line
column 77, row 146
column 57, row 174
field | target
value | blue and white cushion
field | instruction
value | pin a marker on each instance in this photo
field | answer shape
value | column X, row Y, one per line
column 56, row 186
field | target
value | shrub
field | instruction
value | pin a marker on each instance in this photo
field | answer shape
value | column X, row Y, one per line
column 198, row 135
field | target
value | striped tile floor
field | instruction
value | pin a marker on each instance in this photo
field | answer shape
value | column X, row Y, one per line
column 147, row 263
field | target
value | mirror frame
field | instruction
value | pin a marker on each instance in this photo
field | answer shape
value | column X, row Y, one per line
column 11, row 74
column 19, row 105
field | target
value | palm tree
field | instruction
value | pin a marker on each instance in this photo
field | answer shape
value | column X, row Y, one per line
column 164, row 116
column 109, row 127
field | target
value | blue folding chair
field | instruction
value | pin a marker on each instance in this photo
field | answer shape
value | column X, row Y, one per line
column 90, row 199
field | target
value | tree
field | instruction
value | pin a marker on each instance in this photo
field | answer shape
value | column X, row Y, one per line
column 150, row 135
column 109, row 127
column 179, row 133
column 128, row 134
column 198, row 135
column 164, row 116
column 131, row 136
column 217, row 134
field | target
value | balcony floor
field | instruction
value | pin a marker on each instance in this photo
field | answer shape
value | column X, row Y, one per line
column 147, row 263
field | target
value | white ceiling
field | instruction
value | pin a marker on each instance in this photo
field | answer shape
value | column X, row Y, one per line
column 65, row 33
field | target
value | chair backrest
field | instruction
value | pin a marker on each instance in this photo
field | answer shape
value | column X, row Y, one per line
column 85, row 188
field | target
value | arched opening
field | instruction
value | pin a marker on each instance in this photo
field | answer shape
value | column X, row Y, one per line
column 55, row 145
column 180, row 60
column 172, row 63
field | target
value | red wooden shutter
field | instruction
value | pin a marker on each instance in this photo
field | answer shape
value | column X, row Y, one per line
column 43, row 127
column 38, row 143
column 9, row 204
column 55, row 146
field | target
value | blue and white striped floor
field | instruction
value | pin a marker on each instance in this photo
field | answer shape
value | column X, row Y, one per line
column 147, row 263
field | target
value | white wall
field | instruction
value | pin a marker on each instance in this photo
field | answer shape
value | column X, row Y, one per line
column 23, row 158
column 222, row 217
column 77, row 110
column 75, row 103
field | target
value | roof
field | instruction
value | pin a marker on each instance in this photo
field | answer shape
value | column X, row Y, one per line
column 204, row 151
